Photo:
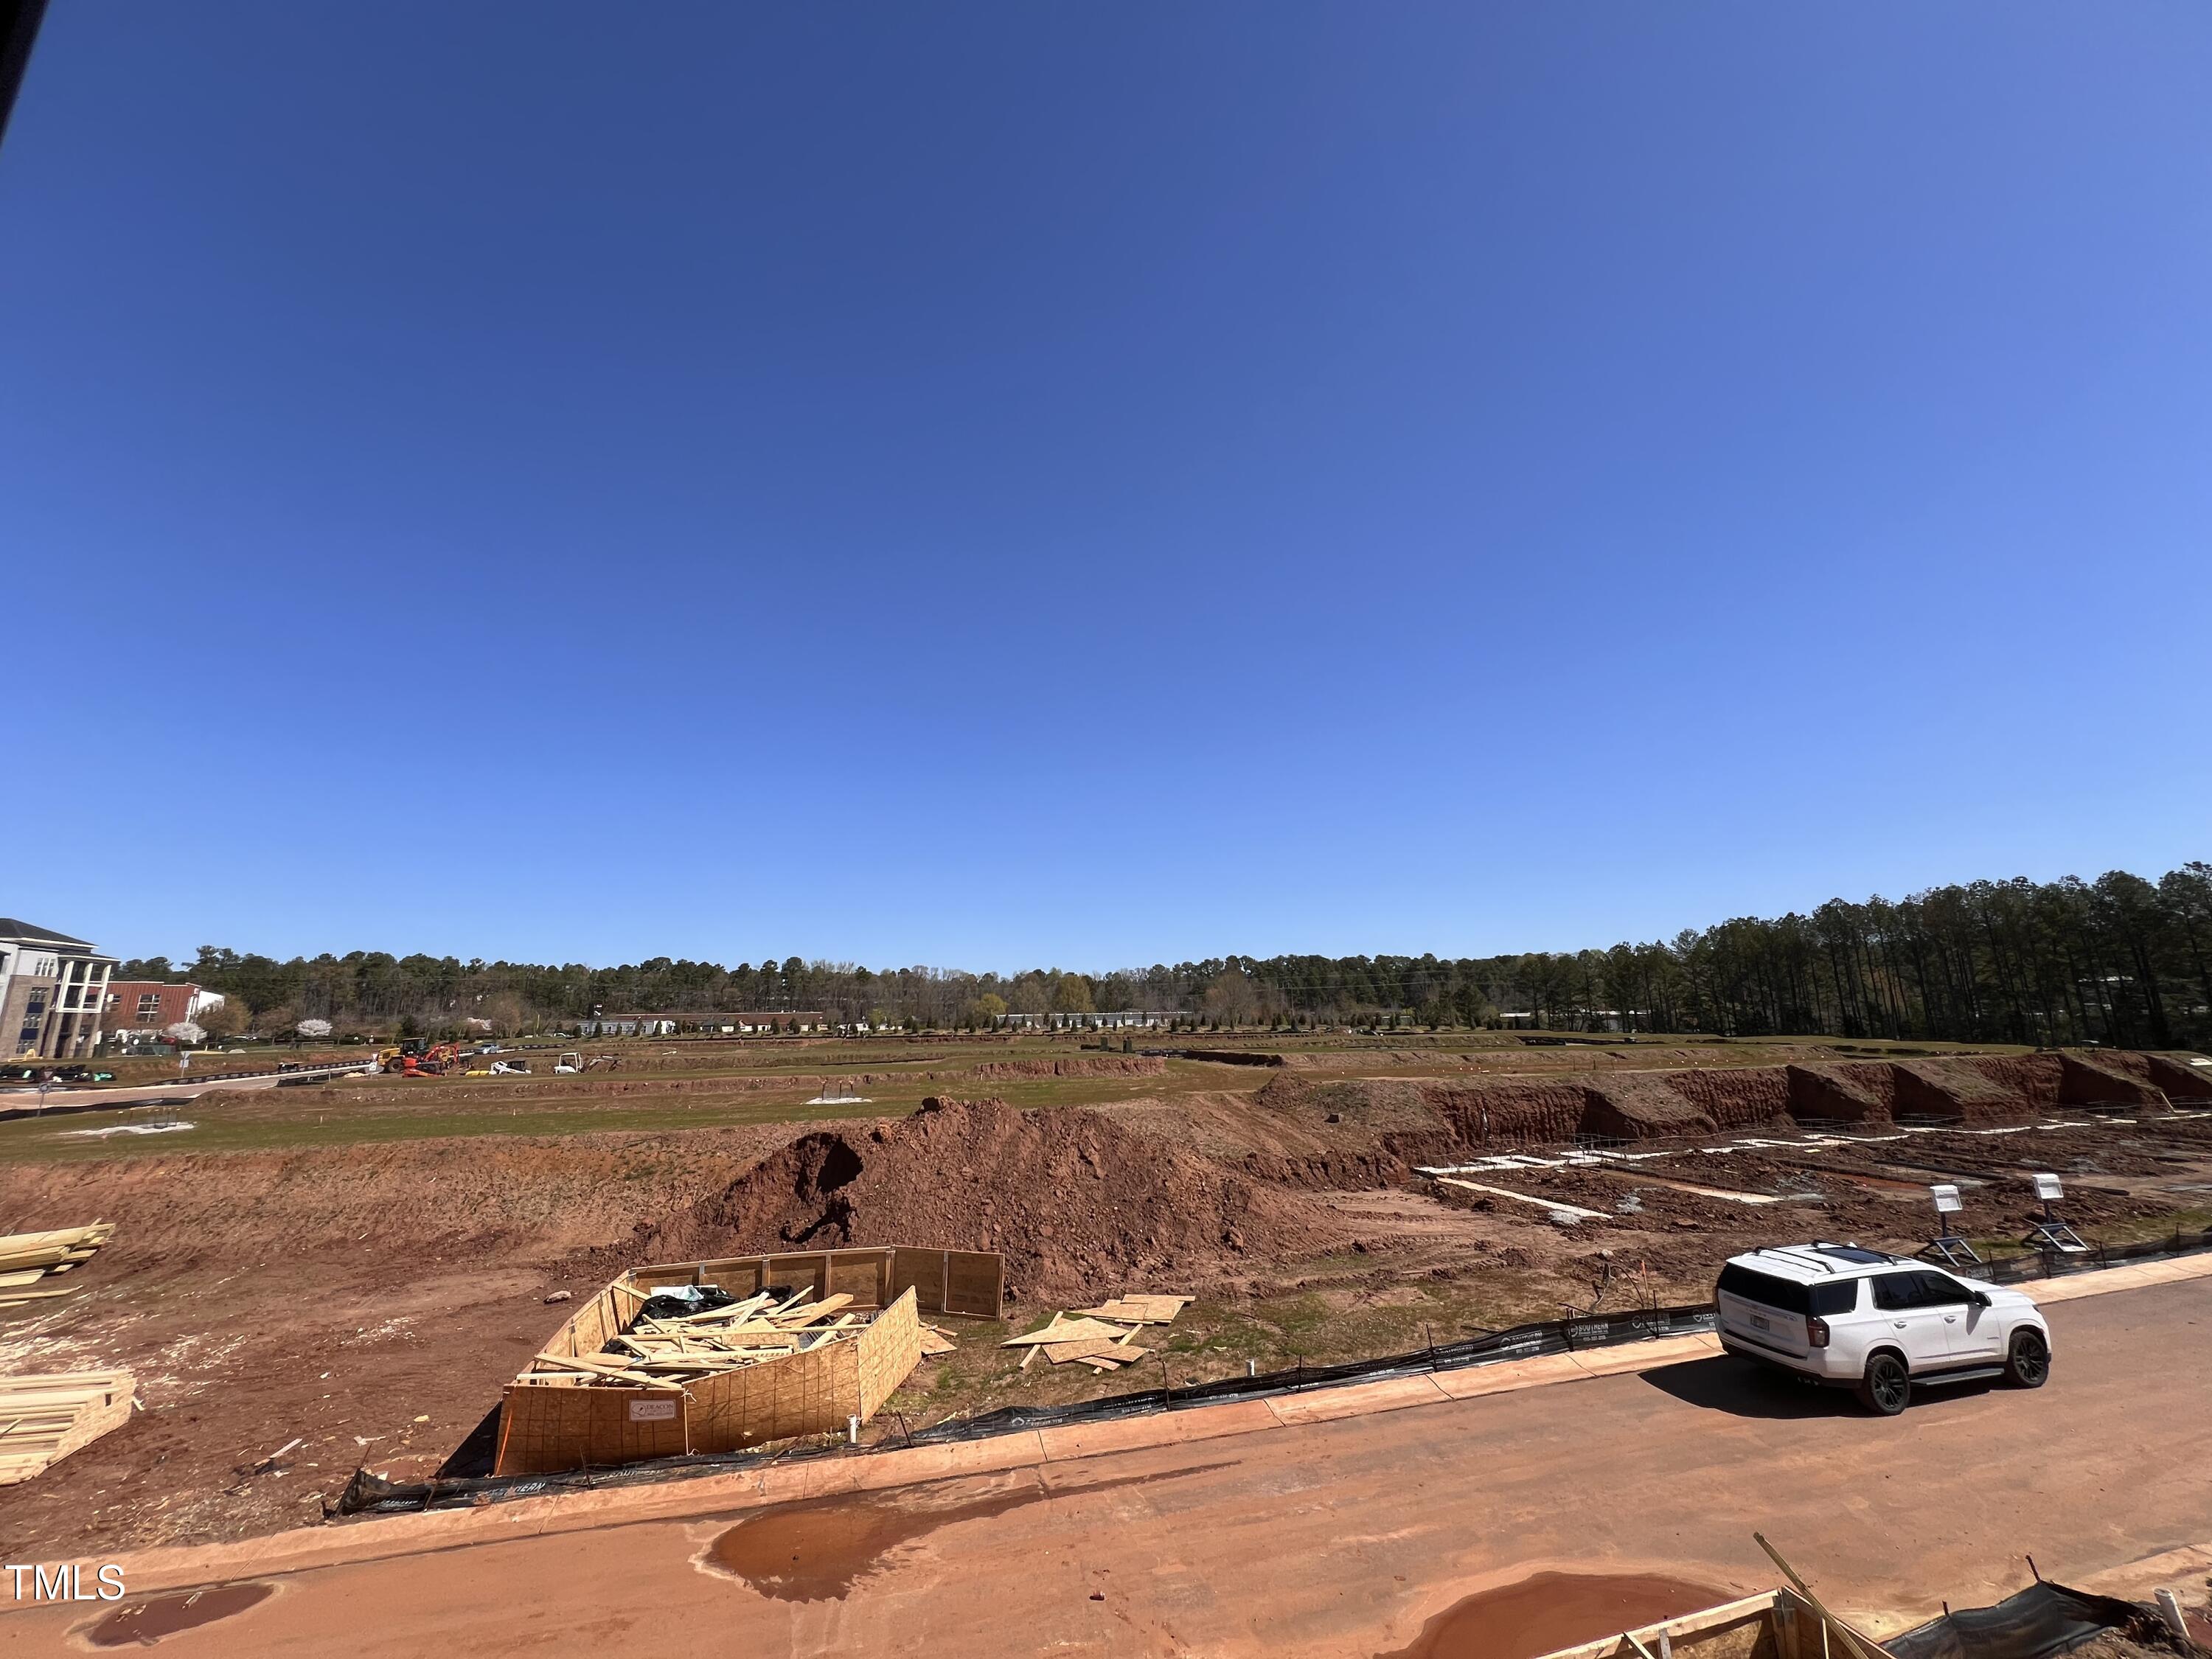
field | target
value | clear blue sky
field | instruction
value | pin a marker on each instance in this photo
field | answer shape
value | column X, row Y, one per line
column 1090, row 485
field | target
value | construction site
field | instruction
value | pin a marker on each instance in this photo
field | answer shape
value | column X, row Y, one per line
column 327, row 1305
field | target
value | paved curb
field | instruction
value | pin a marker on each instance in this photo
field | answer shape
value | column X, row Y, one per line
column 307, row 1548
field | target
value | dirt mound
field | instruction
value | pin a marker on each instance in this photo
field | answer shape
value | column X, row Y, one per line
column 1511, row 1114
column 1848, row 1093
column 1375, row 1104
column 2082, row 1084
column 1076, row 1200
column 1357, row 1133
column 1956, row 1090
column 2033, row 1077
column 1638, row 1105
column 1102, row 1065
column 1736, row 1097
column 2175, row 1077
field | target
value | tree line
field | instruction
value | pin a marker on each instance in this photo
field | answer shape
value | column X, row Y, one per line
column 2121, row 960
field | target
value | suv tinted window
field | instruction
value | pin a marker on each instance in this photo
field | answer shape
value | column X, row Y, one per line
column 1940, row 1290
column 1786, row 1294
column 1896, row 1292
column 1831, row 1299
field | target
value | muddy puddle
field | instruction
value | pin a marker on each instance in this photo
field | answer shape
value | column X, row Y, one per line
column 1551, row 1610
column 818, row 1549
column 142, row 1624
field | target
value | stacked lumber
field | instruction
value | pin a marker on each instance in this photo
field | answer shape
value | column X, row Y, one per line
column 669, row 1352
column 28, row 1258
column 45, row 1418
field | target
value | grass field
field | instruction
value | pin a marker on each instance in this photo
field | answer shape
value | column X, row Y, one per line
column 327, row 1115
column 902, row 1070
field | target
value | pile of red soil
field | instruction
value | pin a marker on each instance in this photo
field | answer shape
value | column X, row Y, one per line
column 1079, row 1203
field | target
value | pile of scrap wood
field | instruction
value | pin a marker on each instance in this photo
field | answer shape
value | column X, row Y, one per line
column 45, row 1418
column 1103, row 1337
column 1140, row 1309
column 27, row 1258
column 669, row 1351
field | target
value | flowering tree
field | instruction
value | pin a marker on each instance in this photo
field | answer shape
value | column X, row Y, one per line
column 183, row 1034
column 313, row 1030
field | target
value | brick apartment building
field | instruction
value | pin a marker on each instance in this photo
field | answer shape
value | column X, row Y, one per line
column 145, row 1005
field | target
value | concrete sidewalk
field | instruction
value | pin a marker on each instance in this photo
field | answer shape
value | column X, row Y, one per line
column 395, row 1536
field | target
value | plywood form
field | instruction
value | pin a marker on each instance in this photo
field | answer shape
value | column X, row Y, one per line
column 975, row 1284
column 810, row 1393
column 547, row 1427
column 925, row 1270
column 888, row 1349
column 972, row 1282
column 564, row 1422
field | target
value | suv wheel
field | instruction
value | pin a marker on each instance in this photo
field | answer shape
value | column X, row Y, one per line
column 1886, row 1387
column 2027, row 1362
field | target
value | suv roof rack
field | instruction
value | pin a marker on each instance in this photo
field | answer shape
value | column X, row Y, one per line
column 1797, row 1251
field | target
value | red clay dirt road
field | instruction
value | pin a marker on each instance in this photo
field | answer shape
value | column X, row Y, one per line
column 1346, row 1537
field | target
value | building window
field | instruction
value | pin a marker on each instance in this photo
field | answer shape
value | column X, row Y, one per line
column 149, row 1005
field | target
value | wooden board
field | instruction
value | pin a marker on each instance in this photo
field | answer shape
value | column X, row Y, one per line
column 1070, row 1331
column 975, row 1284
column 1142, row 1309
column 1093, row 1348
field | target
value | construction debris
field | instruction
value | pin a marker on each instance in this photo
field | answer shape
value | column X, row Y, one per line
column 665, row 1362
column 45, row 1418
column 1073, row 1330
column 1102, row 1337
column 673, row 1350
column 935, row 1342
column 28, row 1258
column 1141, row 1310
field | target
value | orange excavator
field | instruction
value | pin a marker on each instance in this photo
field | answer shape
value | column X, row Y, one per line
column 418, row 1058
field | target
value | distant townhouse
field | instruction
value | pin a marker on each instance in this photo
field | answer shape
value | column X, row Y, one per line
column 53, row 990
column 1115, row 1020
column 735, row 1024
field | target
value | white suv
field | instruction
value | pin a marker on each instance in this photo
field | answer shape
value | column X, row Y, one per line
column 1879, row 1323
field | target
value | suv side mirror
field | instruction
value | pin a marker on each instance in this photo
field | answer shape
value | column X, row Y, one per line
column 1980, row 1299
